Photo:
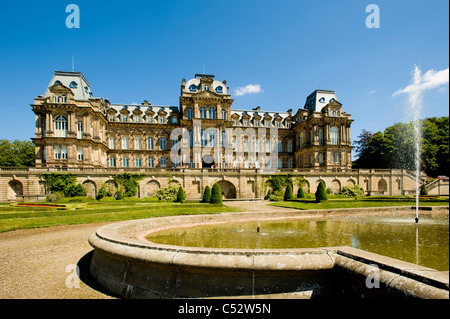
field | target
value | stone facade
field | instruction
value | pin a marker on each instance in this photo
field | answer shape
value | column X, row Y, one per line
column 95, row 139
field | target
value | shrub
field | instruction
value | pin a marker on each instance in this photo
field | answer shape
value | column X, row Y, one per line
column 216, row 194
column 74, row 190
column 129, row 183
column 352, row 191
column 423, row 190
column 268, row 194
column 181, row 195
column 329, row 191
column 300, row 193
column 206, row 195
column 168, row 193
column 321, row 194
column 288, row 195
column 275, row 198
column 119, row 195
column 64, row 184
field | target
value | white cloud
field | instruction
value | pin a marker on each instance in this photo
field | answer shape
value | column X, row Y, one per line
column 430, row 80
column 371, row 92
column 248, row 89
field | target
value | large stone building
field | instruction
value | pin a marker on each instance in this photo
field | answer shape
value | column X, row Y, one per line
column 201, row 141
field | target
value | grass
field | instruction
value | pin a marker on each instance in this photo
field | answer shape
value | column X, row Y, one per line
column 13, row 216
column 351, row 202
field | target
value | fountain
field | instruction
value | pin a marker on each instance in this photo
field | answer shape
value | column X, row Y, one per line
column 414, row 108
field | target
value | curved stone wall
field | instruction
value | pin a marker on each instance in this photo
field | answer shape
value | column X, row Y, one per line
column 131, row 267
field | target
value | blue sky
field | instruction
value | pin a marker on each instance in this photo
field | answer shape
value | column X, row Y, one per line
column 135, row 50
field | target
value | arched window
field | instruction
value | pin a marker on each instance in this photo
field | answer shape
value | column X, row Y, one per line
column 193, row 88
column 219, row 89
column 190, row 113
column 203, row 112
column 162, row 143
column 150, row 143
column 61, row 126
column 206, row 87
column 73, row 85
column 334, row 135
column 137, row 143
column 212, row 112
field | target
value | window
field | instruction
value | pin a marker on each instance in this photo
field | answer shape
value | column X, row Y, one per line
column 321, row 136
column 112, row 142
column 334, row 135
column 289, row 146
column 162, row 143
column 80, row 129
column 112, row 117
column 206, row 87
column 267, row 123
column 190, row 113
column 246, row 145
column 191, row 164
column 212, row 112
column 235, row 122
column 73, row 85
column 268, row 163
column 57, row 82
column 204, row 137
column 224, row 114
column 112, row 162
column 212, row 138
column 203, row 112
column 320, row 158
column 289, row 163
column 219, row 89
column 257, row 163
column 80, row 153
column 138, row 162
column 256, row 122
column 125, row 161
column 151, row 162
column 150, row 143
column 56, row 98
column 246, row 163
column 137, row 118
column 149, row 119
column 124, row 143
column 257, row 146
column 57, row 152
column 246, row 122
column 280, row 163
column 124, row 118
column 162, row 119
column 175, row 162
column 280, row 147
column 64, row 152
column 174, row 142
column 268, row 146
column 193, row 88
column 322, row 100
column 278, row 124
column 174, row 120
column 236, row 144
column 163, row 161
column 288, row 124
column 63, row 99
column 137, row 143
column 224, row 139
column 61, row 126
column 191, row 138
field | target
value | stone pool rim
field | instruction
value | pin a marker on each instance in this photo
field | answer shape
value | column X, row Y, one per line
column 123, row 257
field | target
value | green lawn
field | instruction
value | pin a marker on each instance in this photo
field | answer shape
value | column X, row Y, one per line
column 340, row 202
column 20, row 217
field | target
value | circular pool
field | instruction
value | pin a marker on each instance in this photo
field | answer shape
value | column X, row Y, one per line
column 128, row 265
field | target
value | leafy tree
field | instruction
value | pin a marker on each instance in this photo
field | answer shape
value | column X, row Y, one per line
column 128, row 182
column 288, row 195
column 206, row 195
column 423, row 190
column 321, row 193
column 17, row 153
column 64, row 184
column 216, row 194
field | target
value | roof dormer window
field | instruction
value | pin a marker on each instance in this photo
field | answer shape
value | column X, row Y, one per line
column 206, row 87
column 322, row 100
column 57, row 82
column 193, row 88
column 73, row 85
column 219, row 89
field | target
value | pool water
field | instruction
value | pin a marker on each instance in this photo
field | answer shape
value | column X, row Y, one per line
column 396, row 236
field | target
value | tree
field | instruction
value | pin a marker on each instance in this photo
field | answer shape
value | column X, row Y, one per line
column 216, row 194
column 288, row 195
column 300, row 193
column 423, row 190
column 181, row 195
column 17, row 153
column 321, row 193
column 206, row 195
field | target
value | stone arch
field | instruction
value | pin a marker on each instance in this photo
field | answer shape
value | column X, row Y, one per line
column 174, row 182
column 350, row 183
column 382, row 185
column 111, row 187
column 317, row 185
column 151, row 188
column 336, row 186
column 15, row 188
column 306, row 186
column 228, row 189
column 91, row 188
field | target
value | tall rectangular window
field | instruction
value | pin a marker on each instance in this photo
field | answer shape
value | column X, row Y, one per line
column 150, row 143
column 112, row 162
column 64, row 152
column 124, row 143
column 112, row 142
column 163, row 161
column 57, row 152
column 138, row 162
column 151, row 162
column 125, row 162
column 289, row 146
column 80, row 153
column 137, row 143
column 80, row 129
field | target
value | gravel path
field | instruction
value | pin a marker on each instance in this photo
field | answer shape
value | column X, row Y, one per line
column 33, row 263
